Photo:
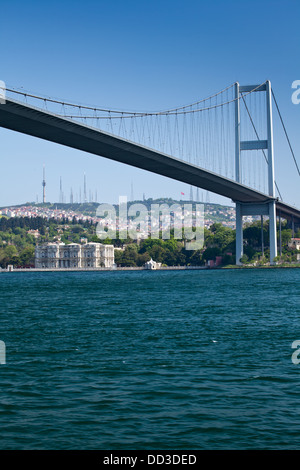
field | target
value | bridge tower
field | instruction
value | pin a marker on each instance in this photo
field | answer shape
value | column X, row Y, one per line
column 268, row 208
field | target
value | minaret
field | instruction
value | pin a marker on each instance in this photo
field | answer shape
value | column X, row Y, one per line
column 131, row 195
column 61, row 198
column 84, row 188
column 44, row 185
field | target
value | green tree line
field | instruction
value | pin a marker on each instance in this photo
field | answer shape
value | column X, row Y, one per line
column 17, row 244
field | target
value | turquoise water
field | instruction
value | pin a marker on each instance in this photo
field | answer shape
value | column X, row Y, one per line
column 150, row 360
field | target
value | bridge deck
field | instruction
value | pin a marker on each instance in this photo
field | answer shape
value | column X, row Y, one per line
column 32, row 121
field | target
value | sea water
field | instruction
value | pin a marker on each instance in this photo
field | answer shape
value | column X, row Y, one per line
column 150, row 360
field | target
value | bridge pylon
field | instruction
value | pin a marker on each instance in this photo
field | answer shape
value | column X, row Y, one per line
column 268, row 208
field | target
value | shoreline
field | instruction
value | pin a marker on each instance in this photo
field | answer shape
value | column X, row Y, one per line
column 129, row 268
column 141, row 268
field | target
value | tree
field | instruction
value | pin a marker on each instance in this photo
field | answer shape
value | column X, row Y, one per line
column 195, row 258
column 244, row 259
column 27, row 256
column 9, row 256
column 286, row 236
column 142, row 259
column 211, row 253
column 252, row 234
column 224, row 236
column 129, row 256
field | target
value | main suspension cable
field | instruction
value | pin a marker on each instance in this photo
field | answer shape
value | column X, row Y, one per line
column 180, row 110
column 253, row 125
column 286, row 134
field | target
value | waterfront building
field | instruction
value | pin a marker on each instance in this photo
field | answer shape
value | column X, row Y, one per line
column 73, row 255
column 97, row 255
column 152, row 264
column 294, row 243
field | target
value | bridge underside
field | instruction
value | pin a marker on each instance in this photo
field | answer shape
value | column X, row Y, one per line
column 42, row 124
column 288, row 212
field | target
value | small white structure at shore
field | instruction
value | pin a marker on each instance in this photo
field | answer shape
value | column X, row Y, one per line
column 152, row 264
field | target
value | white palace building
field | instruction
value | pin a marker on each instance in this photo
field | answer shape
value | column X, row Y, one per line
column 73, row 255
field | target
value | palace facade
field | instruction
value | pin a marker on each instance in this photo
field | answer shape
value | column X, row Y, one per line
column 73, row 255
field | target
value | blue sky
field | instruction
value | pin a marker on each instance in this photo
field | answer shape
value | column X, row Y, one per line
column 140, row 55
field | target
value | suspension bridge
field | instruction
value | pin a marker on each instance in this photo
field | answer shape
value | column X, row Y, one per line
column 223, row 144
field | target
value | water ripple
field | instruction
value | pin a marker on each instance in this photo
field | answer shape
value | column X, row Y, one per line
column 161, row 360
